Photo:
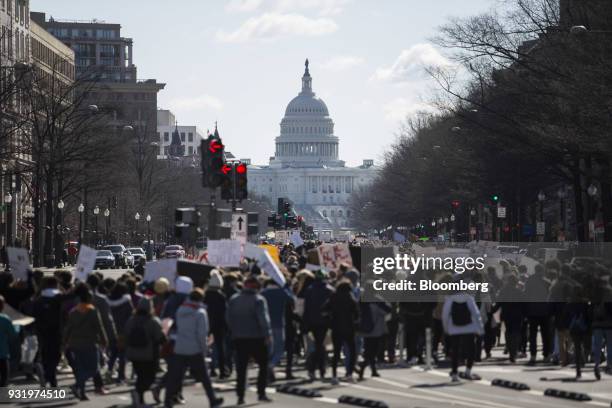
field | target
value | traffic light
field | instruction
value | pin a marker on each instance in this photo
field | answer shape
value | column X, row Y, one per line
column 234, row 182
column 455, row 203
column 495, row 198
column 214, row 168
column 240, row 177
column 272, row 221
column 292, row 222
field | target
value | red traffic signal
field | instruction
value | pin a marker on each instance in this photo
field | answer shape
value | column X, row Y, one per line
column 215, row 145
column 241, row 168
column 455, row 203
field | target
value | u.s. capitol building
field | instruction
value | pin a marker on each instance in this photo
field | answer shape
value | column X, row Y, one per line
column 306, row 168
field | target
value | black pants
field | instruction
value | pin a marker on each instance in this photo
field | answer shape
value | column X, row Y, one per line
column 578, row 340
column 244, row 349
column 462, row 347
column 219, row 336
column 370, row 347
column 339, row 339
column 4, row 371
column 178, row 364
column 543, row 323
column 145, row 376
column 317, row 358
column 50, row 356
column 414, row 334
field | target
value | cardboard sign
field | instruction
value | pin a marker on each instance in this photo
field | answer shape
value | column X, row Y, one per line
column 252, row 251
column 225, row 252
column 199, row 273
column 164, row 268
column 85, row 263
column 332, row 255
column 19, row 260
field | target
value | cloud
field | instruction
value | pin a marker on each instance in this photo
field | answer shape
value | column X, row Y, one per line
column 324, row 7
column 271, row 26
column 401, row 108
column 199, row 102
column 242, row 6
column 411, row 64
column 342, row 63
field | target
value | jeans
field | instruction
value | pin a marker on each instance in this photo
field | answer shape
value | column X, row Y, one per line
column 341, row 340
column 117, row 354
column 462, row 347
column 246, row 348
column 51, row 354
column 218, row 351
column 370, row 349
column 598, row 343
column 277, row 348
column 176, row 371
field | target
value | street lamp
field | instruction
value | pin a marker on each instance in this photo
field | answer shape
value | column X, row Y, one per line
column 137, row 218
column 80, row 209
column 8, row 199
column 106, row 215
column 452, row 218
column 96, row 211
column 592, row 190
column 149, row 248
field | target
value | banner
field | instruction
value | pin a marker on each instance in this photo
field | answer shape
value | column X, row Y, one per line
column 332, row 255
column 267, row 264
column 85, row 263
column 164, row 268
column 19, row 260
column 225, row 252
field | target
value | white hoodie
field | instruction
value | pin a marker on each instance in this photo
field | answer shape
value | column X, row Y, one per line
column 475, row 327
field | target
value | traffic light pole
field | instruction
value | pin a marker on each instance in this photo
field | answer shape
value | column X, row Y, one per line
column 212, row 216
column 234, row 188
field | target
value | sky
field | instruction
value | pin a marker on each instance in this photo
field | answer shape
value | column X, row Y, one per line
column 240, row 62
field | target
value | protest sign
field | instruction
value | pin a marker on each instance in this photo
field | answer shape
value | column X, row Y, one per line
column 199, row 273
column 224, row 252
column 19, row 260
column 85, row 263
column 164, row 268
column 296, row 239
column 332, row 255
column 267, row 264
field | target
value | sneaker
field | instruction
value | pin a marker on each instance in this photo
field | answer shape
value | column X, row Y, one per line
column 334, row 381
column 264, row 398
column 75, row 391
column 84, row 397
column 454, row 377
column 101, row 391
column 179, row 400
column 216, row 403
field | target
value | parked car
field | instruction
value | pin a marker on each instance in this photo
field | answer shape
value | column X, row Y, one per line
column 119, row 252
column 137, row 253
column 174, row 251
column 104, row 259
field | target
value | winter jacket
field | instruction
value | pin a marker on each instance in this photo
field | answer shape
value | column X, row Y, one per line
column 101, row 304
column 343, row 310
column 277, row 299
column 152, row 327
column 512, row 308
column 379, row 311
column 247, row 315
column 121, row 310
column 84, row 327
column 474, row 327
column 47, row 312
column 192, row 331
column 8, row 334
column 315, row 297
column 537, row 289
column 216, row 304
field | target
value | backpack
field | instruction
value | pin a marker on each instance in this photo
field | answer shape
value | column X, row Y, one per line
column 366, row 321
column 137, row 337
column 460, row 314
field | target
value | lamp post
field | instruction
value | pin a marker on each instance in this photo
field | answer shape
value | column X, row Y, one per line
column 149, row 248
column 96, row 211
column 592, row 192
column 106, row 215
column 8, row 199
column 562, row 193
column 452, row 220
column 472, row 214
column 137, row 218
column 80, row 209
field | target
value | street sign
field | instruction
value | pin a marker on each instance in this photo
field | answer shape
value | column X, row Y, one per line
column 541, row 228
column 239, row 227
column 501, row 212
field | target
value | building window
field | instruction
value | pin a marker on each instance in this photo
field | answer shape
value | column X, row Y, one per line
column 340, row 213
column 182, row 136
column 165, row 150
column 166, row 137
column 325, row 213
column 190, row 137
column 190, row 150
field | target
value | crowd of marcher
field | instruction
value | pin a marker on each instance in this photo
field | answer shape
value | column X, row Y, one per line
column 111, row 331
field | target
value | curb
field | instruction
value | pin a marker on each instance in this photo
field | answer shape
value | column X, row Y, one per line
column 574, row 396
column 498, row 382
column 361, row 402
column 300, row 392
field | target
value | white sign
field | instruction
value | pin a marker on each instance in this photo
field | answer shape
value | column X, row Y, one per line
column 267, row 264
column 239, row 227
column 296, row 239
column 541, row 228
column 19, row 260
column 252, row 251
column 164, row 268
column 501, row 212
column 225, row 252
column 282, row 237
column 332, row 255
column 85, row 263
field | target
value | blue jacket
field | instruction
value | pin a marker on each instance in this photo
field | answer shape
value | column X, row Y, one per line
column 8, row 334
column 277, row 299
column 192, row 332
column 247, row 316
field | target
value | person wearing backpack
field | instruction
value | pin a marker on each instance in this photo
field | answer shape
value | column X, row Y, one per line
column 144, row 335
column 372, row 329
column 462, row 322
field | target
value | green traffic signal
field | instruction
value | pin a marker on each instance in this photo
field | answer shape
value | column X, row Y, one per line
column 495, row 198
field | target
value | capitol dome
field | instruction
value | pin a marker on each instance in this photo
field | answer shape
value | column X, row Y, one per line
column 307, row 131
